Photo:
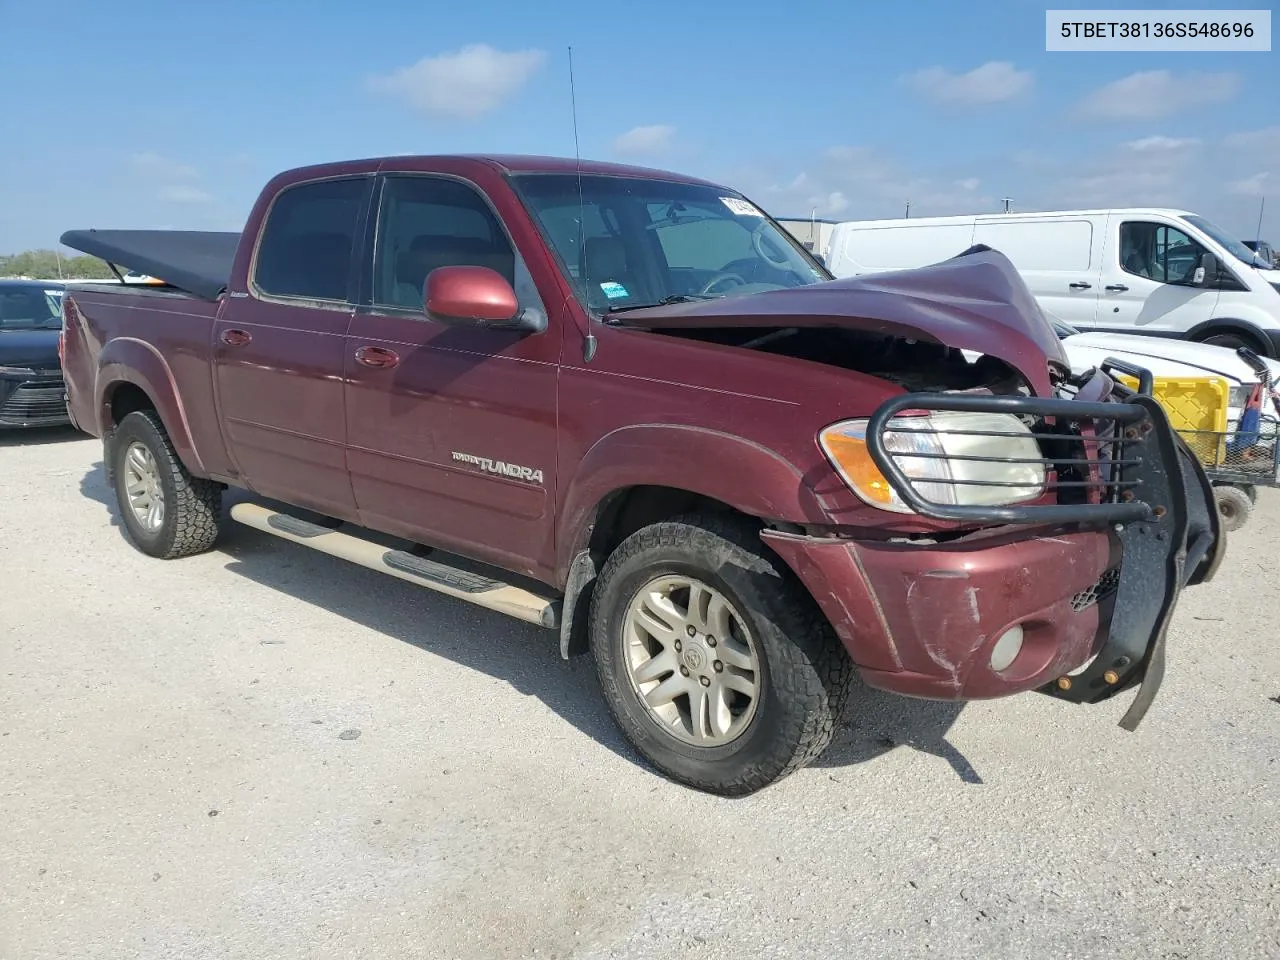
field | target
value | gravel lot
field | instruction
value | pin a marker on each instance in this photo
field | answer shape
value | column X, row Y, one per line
column 265, row 752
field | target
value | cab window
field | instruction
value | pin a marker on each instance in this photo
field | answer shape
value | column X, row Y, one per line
column 305, row 251
column 1158, row 252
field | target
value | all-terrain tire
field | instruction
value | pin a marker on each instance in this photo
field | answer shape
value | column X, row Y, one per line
column 192, row 515
column 1234, row 507
column 806, row 675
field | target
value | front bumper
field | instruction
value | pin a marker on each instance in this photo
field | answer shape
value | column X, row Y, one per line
column 923, row 620
column 33, row 400
column 1091, row 585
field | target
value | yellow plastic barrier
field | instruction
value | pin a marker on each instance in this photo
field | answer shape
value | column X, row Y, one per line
column 1197, row 409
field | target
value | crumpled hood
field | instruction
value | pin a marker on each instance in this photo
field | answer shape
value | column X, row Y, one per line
column 975, row 301
column 29, row 348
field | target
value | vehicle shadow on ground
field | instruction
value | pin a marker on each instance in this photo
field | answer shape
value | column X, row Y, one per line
column 39, row 436
column 528, row 657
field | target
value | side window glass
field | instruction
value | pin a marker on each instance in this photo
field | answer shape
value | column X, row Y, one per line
column 431, row 222
column 306, row 244
column 1158, row 252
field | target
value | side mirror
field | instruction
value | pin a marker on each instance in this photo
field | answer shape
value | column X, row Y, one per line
column 470, row 296
column 1207, row 272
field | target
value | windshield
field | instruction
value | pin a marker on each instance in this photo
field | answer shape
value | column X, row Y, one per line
column 632, row 242
column 30, row 308
column 1233, row 246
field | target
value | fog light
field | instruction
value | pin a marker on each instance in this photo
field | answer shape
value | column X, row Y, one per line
column 1006, row 649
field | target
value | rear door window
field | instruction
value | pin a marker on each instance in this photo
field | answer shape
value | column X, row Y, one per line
column 306, row 248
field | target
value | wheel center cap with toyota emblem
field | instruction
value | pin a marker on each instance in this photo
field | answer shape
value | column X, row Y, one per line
column 694, row 656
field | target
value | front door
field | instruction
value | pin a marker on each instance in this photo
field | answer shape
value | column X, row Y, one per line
column 279, row 350
column 451, row 432
column 1147, row 280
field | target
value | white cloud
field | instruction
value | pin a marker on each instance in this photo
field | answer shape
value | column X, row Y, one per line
column 993, row 82
column 154, row 165
column 856, row 181
column 1161, row 144
column 181, row 193
column 1266, row 140
column 800, row 180
column 651, row 139
column 1158, row 93
column 464, row 84
column 1254, row 186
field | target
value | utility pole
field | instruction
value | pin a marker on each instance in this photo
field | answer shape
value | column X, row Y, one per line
column 908, row 214
column 1257, row 236
column 59, row 259
column 1008, row 203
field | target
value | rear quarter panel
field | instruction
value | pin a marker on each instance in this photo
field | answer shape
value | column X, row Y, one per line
column 159, row 342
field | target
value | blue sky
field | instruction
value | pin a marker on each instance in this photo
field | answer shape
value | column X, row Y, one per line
column 168, row 115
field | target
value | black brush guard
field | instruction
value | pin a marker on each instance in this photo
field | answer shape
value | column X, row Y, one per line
column 1126, row 469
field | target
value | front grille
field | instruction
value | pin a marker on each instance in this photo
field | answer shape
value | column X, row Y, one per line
column 34, row 402
column 1105, row 586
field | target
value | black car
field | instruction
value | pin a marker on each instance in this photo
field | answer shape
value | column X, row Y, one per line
column 31, row 389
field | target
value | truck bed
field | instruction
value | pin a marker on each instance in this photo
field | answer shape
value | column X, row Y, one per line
column 197, row 261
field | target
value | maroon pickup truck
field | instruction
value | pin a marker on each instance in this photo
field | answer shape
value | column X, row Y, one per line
column 626, row 405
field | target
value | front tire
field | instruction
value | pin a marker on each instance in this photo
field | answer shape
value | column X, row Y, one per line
column 166, row 512
column 714, row 661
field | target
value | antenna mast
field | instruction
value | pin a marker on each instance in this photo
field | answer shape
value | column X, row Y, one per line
column 589, row 344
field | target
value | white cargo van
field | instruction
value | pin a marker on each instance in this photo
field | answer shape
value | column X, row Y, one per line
column 1157, row 272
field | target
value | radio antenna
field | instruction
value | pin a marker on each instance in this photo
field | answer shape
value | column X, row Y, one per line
column 589, row 344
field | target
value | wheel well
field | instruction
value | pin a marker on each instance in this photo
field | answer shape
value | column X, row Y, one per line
column 621, row 514
column 1258, row 342
column 627, row 511
column 128, row 398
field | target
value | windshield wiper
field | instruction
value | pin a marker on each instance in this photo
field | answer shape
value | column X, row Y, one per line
column 665, row 301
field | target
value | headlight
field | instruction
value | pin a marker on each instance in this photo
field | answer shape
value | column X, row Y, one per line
column 951, row 458
column 18, row 371
column 1239, row 395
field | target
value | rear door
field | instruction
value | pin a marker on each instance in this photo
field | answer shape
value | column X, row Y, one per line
column 451, row 431
column 279, row 349
column 1057, row 258
column 1147, row 278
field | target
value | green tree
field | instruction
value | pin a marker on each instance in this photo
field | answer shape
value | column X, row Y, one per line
column 47, row 265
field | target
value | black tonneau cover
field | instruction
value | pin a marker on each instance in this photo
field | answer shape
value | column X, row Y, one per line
column 198, row 261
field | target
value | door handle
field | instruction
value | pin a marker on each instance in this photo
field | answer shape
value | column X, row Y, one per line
column 1116, row 288
column 1080, row 285
column 236, row 338
column 379, row 357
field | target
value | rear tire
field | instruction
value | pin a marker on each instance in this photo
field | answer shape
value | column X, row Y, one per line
column 166, row 512
column 768, row 689
column 1233, row 340
column 1234, row 507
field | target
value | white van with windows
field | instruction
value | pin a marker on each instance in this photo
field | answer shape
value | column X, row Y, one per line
column 1158, row 272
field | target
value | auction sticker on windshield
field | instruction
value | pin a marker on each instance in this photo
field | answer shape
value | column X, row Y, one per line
column 614, row 290
column 740, row 208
